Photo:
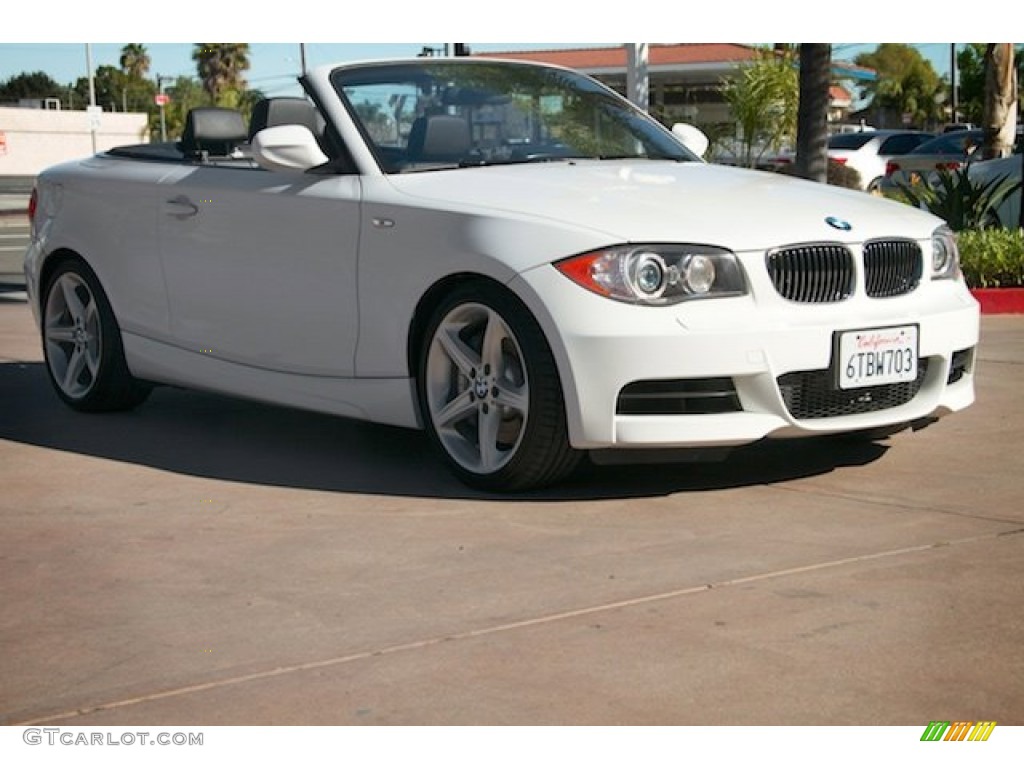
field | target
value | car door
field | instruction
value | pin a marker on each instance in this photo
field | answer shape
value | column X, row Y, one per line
column 260, row 266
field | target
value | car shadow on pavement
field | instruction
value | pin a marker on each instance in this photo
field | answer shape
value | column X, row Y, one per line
column 207, row 435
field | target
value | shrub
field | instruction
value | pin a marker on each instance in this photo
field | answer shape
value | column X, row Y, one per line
column 992, row 258
column 838, row 175
column 841, row 175
column 962, row 202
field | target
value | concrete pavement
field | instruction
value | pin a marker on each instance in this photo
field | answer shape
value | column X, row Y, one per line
column 210, row 561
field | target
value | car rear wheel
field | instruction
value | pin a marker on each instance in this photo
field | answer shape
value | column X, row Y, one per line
column 490, row 394
column 82, row 344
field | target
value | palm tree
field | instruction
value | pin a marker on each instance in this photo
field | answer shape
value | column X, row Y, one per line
column 220, row 66
column 135, row 61
column 812, row 112
column 1000, row 100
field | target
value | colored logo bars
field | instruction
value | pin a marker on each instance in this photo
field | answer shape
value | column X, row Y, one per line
column 939, row 730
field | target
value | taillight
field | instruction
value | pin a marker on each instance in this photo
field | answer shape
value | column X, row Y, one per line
column 891, row 168
column 950, row 166
column 840, row 160
column 33, row 201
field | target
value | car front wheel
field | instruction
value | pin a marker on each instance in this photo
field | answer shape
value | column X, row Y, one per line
column 82, row 344
column 490, row 393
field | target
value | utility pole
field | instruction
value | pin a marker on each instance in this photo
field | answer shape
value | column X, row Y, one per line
column 92, row 95
column 637, row 83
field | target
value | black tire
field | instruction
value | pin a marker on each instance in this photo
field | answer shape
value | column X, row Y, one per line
column 82, row 343
column 486, row 375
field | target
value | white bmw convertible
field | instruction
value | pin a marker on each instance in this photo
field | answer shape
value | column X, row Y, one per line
column 507, row 255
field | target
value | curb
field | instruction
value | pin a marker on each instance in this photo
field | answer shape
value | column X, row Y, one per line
column 1000, row 301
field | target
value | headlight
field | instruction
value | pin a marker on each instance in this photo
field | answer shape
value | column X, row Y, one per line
column 657, row 274
column 945, row 255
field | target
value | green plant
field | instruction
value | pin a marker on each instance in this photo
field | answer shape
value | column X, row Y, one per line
column 840, row 175
column 992, row 258
column 962, row 202
column 763, row 97
column 906, row 82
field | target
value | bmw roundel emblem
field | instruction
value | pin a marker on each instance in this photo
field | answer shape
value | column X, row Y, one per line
column 840, row 224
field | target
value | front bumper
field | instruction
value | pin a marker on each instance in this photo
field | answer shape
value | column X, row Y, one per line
column 602, row 346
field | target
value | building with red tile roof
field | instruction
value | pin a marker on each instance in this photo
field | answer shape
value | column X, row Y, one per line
column 675, row 57
column 685, row 79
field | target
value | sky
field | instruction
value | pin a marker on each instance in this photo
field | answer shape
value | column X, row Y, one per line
column 275, row 66
column 340, row 30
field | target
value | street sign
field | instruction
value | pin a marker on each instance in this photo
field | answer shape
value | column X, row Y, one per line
column 94, row 115
column 162, row 99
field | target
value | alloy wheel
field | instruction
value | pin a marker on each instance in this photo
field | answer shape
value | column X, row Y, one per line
column 477, row 389
column 73, row 335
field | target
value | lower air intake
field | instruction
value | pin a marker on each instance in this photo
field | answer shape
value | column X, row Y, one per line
column 678, row 396
column 813, row 395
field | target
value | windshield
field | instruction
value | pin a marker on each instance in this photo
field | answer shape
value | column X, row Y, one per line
column 463, row 113
column 849, row 140
column 958, row 142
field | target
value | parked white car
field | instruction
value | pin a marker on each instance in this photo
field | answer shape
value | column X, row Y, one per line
column 507, row 255
column 868, row 152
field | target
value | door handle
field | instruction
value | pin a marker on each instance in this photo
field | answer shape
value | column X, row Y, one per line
column 181, row 207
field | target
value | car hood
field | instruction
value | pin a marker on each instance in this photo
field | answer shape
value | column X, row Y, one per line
column 662, row 201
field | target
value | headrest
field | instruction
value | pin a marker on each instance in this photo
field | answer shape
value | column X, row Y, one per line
column 283, row 110
column 214, row 130
column 439, row 138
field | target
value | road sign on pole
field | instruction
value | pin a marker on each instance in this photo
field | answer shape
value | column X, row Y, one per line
column 162, row 99
column 95, row 115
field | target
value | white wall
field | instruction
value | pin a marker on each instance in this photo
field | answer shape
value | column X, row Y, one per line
column 37, row 138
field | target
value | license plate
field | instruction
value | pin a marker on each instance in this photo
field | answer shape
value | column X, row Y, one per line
column 877, row 356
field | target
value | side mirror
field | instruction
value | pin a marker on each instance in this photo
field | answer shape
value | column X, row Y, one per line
column 287, row 148
column 692, row 137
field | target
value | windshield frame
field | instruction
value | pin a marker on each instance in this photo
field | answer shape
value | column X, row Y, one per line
column 452, row 86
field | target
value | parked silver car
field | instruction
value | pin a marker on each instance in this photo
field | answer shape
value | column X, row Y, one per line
column 955, row 151
column 947, row 152
column 1008, row 212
